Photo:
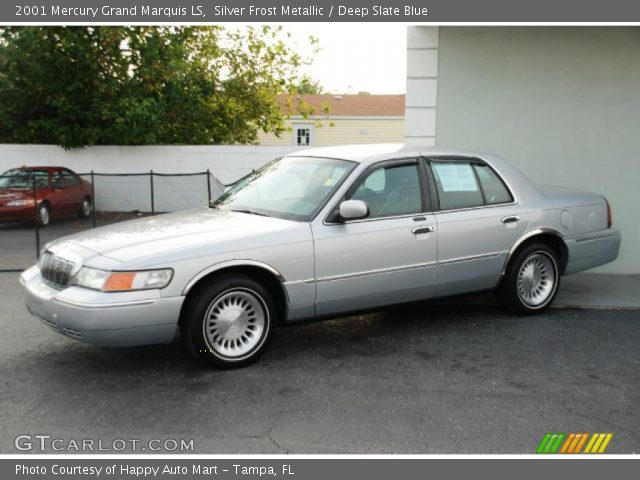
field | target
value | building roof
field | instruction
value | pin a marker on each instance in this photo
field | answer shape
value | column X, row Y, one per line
column 347, row 105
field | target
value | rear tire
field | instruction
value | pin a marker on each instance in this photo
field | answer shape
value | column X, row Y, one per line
column 531, row 281
column 229, row 322
column 85, row 208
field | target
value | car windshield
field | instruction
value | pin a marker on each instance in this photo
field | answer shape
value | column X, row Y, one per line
column 293, row 188
column 23, row 179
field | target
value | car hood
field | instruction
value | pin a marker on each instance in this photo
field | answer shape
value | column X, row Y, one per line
column 199, row 231
column 14, row 193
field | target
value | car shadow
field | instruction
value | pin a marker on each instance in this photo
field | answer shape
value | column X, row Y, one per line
column 350, row 337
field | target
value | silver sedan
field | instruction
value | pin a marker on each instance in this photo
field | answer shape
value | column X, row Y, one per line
column 316, row 234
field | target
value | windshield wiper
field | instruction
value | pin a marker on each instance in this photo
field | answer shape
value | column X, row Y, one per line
column 250, row 212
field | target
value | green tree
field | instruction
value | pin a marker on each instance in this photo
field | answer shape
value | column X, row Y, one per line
column 308, row 86
column 77, row 86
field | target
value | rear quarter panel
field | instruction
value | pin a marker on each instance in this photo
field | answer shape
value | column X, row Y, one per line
column 581, row 219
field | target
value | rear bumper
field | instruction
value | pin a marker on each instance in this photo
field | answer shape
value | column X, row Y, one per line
column 108, row 319
column 592, row 249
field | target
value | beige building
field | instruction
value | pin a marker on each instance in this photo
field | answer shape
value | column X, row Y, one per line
column 341, row 120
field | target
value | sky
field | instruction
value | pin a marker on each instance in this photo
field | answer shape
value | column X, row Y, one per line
column 356, row 57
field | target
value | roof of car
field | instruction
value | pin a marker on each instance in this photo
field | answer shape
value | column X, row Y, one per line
column 45, row 169
column 361, row 153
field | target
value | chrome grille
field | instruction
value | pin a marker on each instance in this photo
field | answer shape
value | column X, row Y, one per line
column 55, row 270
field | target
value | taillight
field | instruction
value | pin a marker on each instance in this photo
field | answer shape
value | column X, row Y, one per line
column 609, row 219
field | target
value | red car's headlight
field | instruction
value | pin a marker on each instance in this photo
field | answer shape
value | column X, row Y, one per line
column 23, row 202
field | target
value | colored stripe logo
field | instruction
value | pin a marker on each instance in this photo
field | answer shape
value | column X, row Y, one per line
column 574, row 443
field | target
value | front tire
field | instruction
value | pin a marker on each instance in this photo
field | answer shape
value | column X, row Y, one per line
column 531, row 280
column 229, row 322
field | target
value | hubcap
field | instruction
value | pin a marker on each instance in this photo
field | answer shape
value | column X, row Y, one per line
column 536, row 279
column 234, row 323
column 86, row 208
column 44, row 215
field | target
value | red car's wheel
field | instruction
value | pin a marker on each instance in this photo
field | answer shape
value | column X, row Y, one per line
column 85, row 208
column 44, row 214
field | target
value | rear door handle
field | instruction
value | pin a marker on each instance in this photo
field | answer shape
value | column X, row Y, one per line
column 510, row 219
column 419, row 230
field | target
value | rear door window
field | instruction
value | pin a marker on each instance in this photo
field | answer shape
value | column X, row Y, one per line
column 456, row 185
column 494, row 190
column 462, row 184
column 70, row 179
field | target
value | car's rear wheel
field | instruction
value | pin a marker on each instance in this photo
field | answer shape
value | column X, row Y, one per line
column 531, row 280
column 44, row 214
column 228, row 322
column 85, row 208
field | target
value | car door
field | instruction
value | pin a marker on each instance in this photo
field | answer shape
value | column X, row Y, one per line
column 58, row 195
column 387, row 257
column 478, row 221
column 74, row 194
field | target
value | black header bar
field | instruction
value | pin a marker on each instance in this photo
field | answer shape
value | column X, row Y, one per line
column 216, row 11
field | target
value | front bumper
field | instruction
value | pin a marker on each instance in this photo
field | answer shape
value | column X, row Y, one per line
column 17, row 214
column 111, row 319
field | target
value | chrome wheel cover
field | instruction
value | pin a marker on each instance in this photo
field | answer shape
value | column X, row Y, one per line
column 86, row 208
column 43, row 213
column 537, row 278
column 235, row 322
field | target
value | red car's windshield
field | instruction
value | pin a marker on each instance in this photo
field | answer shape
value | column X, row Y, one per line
column 23, row 179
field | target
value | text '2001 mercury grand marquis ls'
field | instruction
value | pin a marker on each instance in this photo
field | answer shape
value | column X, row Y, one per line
column 318, row 233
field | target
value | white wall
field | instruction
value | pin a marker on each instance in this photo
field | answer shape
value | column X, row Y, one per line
column 422, row 85
column 562, row 103
column 122, row 194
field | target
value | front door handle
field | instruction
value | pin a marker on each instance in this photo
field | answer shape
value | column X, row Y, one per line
column 419, row 230
column 510, row 219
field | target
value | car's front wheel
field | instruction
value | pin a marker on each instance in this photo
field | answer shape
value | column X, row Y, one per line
column 228, row 322
column 531, row 280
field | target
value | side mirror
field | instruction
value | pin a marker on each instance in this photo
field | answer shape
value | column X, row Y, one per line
column 353, row 209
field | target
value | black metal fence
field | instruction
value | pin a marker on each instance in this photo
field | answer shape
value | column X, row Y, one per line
column 15, row 237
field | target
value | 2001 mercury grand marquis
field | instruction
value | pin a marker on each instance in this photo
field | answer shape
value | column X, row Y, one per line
column 318, row 233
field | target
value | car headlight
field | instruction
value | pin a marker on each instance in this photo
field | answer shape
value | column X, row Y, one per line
column 122, row 281
column 25, row 202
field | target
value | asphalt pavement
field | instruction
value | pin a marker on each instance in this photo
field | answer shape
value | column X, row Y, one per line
column 428, row 378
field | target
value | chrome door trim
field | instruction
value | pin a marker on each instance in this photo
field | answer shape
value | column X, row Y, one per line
column 475, row 208
column 375, row 272
column 391, row 217
column 470, row 258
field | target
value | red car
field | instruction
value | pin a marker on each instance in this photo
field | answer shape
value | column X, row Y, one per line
column 59, row 192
